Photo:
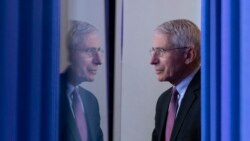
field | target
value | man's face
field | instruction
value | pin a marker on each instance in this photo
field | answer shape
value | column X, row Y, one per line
column 87, row 57
column 169, row 65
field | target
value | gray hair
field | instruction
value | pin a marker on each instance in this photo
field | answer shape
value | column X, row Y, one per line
column 181, row 33
column 78, row 29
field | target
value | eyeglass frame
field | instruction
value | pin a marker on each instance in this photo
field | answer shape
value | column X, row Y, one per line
column 161, row 51
column 90, row 51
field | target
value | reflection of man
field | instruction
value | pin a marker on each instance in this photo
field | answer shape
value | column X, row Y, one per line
column 176, row 59
column 79, row 110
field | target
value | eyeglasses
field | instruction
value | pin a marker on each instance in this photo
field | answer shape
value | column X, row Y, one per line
column 161, row 51
column 91, row 52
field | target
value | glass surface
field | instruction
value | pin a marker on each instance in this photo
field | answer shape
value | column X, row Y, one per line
column 83, row 58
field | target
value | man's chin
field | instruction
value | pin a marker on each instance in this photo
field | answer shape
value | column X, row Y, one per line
column 85, row 79
column 90, row 79
column 161, row 79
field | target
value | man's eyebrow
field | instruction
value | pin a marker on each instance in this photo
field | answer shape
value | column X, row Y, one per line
column 160, row 47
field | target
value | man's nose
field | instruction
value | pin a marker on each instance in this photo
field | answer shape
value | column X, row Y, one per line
column 154, row 59
column 98, row 58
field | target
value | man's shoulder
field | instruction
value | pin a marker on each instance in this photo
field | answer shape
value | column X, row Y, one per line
column 86, row 93
column 165, row 95
column 167, row 92
column 195, row 84
column 88, row 98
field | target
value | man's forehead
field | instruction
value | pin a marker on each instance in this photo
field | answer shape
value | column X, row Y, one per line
column 161, row 36
column 91, row 35
column 91, row 41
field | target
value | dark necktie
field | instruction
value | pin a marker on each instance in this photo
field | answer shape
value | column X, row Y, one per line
column 79, row 115
column 171, row 114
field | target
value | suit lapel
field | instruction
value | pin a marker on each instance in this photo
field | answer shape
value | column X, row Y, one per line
column 73, row 128
column 189, row 98
column 71, row 123
column 87, row 108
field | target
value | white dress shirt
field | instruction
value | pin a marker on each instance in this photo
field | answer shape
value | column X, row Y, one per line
column 182, row 87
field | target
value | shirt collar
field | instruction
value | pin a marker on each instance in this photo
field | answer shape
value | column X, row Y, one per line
column 71, row 88
column 182, row 86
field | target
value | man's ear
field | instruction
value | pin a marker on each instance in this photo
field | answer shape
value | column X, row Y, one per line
column 190, row 55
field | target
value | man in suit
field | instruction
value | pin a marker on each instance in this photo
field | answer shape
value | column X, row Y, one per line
column 176, row 59
column 79, row 109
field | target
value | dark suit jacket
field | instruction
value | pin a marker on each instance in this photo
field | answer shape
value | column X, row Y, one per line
column 67, row 126
column 187, row 124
